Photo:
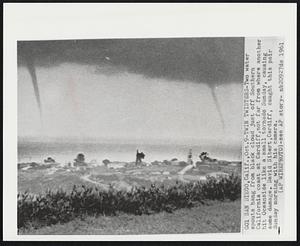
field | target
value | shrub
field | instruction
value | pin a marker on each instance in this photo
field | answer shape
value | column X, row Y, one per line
column 106, row 161
column 60, row 206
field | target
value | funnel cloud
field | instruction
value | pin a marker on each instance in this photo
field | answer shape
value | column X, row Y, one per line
column 209, row 61
column 31, row 69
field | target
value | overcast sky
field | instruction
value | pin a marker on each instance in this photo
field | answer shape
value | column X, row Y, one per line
column 157, row 89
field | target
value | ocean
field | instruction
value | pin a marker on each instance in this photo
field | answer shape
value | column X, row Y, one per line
column 64, row 152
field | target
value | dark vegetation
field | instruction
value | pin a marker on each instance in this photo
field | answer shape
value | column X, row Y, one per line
column 61, row 206
column 80, row 160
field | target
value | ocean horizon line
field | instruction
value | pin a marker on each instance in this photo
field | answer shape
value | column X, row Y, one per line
column 141, row 141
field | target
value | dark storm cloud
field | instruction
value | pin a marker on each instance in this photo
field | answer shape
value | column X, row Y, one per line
column 211, row 61
column 204, row 60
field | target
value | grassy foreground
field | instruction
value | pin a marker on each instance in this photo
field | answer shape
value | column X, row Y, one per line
column 61, row 206
column 216, row 216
